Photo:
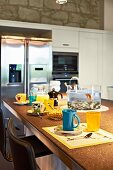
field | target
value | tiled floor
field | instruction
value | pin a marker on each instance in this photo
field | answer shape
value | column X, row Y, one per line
column 5, row 165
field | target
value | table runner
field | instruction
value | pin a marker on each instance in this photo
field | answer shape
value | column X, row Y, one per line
column 76, row 141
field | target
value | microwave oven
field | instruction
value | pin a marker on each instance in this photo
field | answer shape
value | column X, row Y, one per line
column 65, row 62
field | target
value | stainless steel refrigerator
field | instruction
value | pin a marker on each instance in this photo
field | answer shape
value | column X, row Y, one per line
column 24, row 62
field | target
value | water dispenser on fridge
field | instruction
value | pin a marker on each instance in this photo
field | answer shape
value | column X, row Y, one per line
column 15, row 73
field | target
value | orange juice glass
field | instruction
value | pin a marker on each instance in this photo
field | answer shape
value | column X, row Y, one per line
column 93, row 120
column 42, row 98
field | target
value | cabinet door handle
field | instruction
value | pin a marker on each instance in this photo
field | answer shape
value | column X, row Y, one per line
column 65, row 45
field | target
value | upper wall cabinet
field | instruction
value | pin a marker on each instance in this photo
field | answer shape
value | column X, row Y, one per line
column 90, row 58
column 65, row 40
column 107, row 63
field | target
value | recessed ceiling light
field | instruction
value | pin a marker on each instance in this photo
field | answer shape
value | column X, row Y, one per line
column 61, row 2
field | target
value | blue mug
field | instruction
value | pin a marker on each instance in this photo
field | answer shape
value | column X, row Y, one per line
column 69, row 115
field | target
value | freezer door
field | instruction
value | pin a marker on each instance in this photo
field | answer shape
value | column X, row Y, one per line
column 12, row 67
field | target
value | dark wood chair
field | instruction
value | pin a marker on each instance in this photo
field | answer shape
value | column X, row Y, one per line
column 22, row 151
column 3, row 149
column 39, row 148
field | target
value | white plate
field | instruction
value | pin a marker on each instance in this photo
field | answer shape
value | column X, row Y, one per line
column 29, row 111
column 23, row 103
column 58, row 130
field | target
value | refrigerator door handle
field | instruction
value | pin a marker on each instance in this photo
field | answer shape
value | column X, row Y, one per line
column 38, row 69
column 26, row 67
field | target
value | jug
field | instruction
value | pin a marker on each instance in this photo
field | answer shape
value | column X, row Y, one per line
column 54, row 94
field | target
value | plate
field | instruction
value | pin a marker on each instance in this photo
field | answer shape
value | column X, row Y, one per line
column 101, row 109
column 23, row 103
column 31, row 113
column 58, row 130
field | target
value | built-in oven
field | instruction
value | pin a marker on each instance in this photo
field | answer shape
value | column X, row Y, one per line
column 65, row 66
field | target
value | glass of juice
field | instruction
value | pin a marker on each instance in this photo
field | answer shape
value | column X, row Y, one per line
column 93, row 120
column 42, row 98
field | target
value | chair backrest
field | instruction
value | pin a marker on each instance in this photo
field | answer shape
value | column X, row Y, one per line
column 2, row 134
column 22, row 151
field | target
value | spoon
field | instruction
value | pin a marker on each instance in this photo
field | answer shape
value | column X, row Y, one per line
column 51, row 106
column 86, row 136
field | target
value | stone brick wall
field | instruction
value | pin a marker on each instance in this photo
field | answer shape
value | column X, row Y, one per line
column 76, row 13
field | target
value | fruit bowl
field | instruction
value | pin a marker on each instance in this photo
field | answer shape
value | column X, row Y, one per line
column 55, row 114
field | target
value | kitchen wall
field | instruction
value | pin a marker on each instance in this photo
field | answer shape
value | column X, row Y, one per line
column 108, row 15
column 77, row 13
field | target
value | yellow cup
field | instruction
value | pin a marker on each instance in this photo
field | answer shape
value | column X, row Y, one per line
column 93, row 120
column 20, row 97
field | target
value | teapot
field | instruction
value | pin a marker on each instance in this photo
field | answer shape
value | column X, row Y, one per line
column 54, row 94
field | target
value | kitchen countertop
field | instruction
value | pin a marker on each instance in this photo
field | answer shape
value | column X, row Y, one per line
column 98, row 157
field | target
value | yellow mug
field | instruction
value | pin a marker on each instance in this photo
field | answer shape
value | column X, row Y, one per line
column 93, row 120
column 20, row 97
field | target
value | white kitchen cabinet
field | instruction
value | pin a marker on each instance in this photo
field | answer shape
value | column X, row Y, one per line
column 90, row 58
column 110, row 92
column 107, row 64
column 65, row 40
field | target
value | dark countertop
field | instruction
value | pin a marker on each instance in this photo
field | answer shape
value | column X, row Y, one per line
column 98, row 157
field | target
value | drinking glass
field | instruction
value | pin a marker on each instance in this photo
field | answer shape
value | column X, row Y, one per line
column 93, row 120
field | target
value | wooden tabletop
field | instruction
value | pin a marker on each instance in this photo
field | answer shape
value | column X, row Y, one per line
column 98, row 157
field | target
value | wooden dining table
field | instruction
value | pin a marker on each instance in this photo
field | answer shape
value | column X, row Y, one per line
column 96, row 157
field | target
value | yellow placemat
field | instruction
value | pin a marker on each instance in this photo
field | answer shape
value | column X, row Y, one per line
column 78, row 140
